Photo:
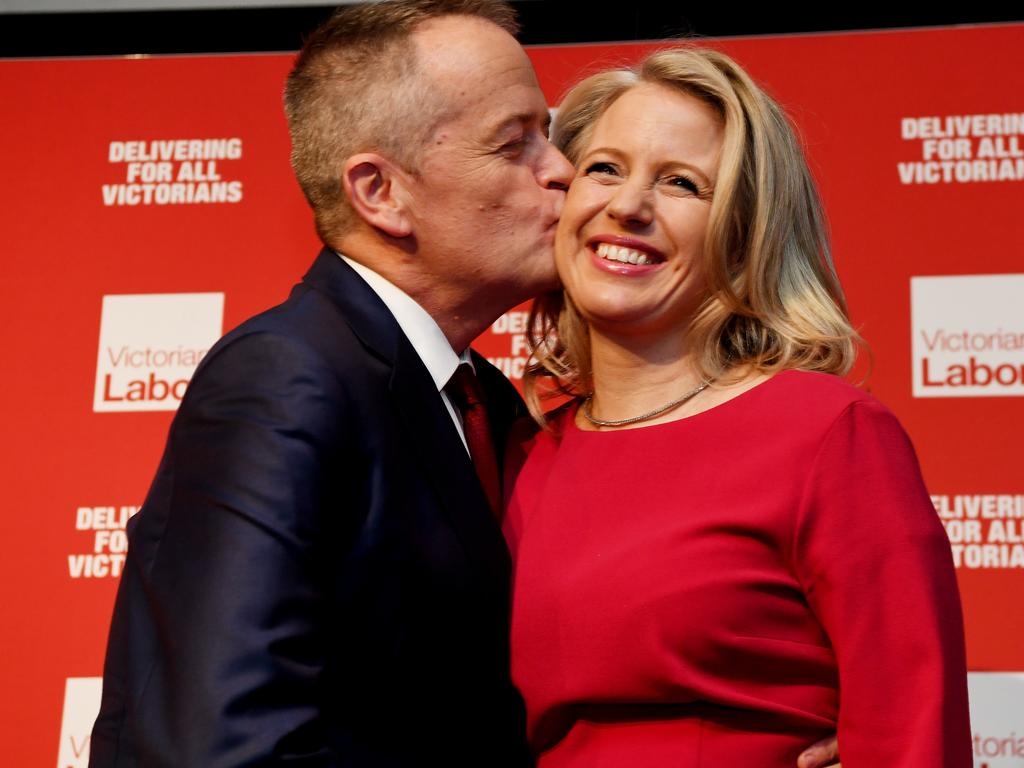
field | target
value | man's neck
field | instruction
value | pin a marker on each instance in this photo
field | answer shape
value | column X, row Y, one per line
column 461, row 311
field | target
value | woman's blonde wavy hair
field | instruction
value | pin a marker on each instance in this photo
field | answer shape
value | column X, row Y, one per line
column 774, row 301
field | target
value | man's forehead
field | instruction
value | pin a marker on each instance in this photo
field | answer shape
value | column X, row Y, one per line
column 510, row 118
column 471, row 56
column 492, row 119
column 455, row 32
column 480, row 76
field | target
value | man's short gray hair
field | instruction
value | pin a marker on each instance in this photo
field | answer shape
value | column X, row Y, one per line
column 355, row 87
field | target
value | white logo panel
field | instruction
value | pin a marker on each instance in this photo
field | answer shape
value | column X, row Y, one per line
column 81, row 705
column 150, row 346
column 968, row 335
column 997, row 719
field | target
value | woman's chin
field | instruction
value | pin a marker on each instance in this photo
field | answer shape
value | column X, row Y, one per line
column 628, row 321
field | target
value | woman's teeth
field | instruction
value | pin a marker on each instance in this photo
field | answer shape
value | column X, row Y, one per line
column 624, row 255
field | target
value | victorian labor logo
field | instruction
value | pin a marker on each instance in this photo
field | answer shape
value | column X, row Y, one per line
column 968, row 335
column 81, row 705
column 150, row 346
column 997, row 720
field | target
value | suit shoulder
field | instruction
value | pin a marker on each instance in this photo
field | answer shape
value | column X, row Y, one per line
column 306, row 316
column 300, row 349
column 306, row 332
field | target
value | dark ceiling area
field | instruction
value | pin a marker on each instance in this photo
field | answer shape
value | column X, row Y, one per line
column 544, row 21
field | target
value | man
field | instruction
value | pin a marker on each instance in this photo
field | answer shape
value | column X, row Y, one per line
column 317, row 576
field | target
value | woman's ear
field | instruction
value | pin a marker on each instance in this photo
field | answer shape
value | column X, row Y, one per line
column 376, row 189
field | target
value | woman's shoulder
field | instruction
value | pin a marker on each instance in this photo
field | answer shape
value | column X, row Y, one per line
column 811, row 408
column 526, row 434
column 530, row 456
column 822, row 395
column 836, row 415
column 821, row 384
column 528, row 440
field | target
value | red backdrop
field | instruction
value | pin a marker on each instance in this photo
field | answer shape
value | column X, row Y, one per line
column 876, row 111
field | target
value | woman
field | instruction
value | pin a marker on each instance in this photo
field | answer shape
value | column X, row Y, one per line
column 723, row 551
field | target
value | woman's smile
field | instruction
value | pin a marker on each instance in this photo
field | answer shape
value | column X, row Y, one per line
column 632, row 233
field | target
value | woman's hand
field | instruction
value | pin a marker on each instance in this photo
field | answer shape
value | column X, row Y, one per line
column 820, row 754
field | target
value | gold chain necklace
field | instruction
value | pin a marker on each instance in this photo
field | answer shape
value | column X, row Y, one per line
column 644, row 416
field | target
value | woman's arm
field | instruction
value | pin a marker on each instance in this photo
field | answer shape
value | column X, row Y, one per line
column 876, row 567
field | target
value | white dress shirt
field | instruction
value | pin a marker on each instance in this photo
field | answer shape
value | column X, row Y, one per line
column 423, row 333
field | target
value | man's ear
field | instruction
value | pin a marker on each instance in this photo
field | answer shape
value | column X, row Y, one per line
column 376, row 188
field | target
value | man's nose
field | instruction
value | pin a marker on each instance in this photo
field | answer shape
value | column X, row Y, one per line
column 556, row 171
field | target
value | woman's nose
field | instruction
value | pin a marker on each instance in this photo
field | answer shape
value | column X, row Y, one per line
column 632, row 204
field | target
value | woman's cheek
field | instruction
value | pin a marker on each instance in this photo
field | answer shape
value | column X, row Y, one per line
column 562, row 250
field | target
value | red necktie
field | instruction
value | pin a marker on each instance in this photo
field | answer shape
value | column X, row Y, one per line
column 465, row 393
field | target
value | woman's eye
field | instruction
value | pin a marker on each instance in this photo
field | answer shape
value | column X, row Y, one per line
column 603, row 169
column 684, row 183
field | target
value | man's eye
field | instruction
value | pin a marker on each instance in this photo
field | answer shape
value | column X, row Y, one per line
column 601, row 169
column 513, row 147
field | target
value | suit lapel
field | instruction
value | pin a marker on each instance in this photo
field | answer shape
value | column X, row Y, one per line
column 428, row 427
column 447, row 465
column 365, row 313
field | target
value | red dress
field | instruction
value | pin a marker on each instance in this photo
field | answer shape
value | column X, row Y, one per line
column 725, row 589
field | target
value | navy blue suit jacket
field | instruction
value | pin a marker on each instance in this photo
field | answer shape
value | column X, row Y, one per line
column 315, row 577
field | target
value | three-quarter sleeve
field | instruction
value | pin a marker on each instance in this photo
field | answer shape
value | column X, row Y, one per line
column 876, row 567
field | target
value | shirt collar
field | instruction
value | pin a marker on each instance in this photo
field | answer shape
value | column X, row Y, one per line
column 422, row 331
